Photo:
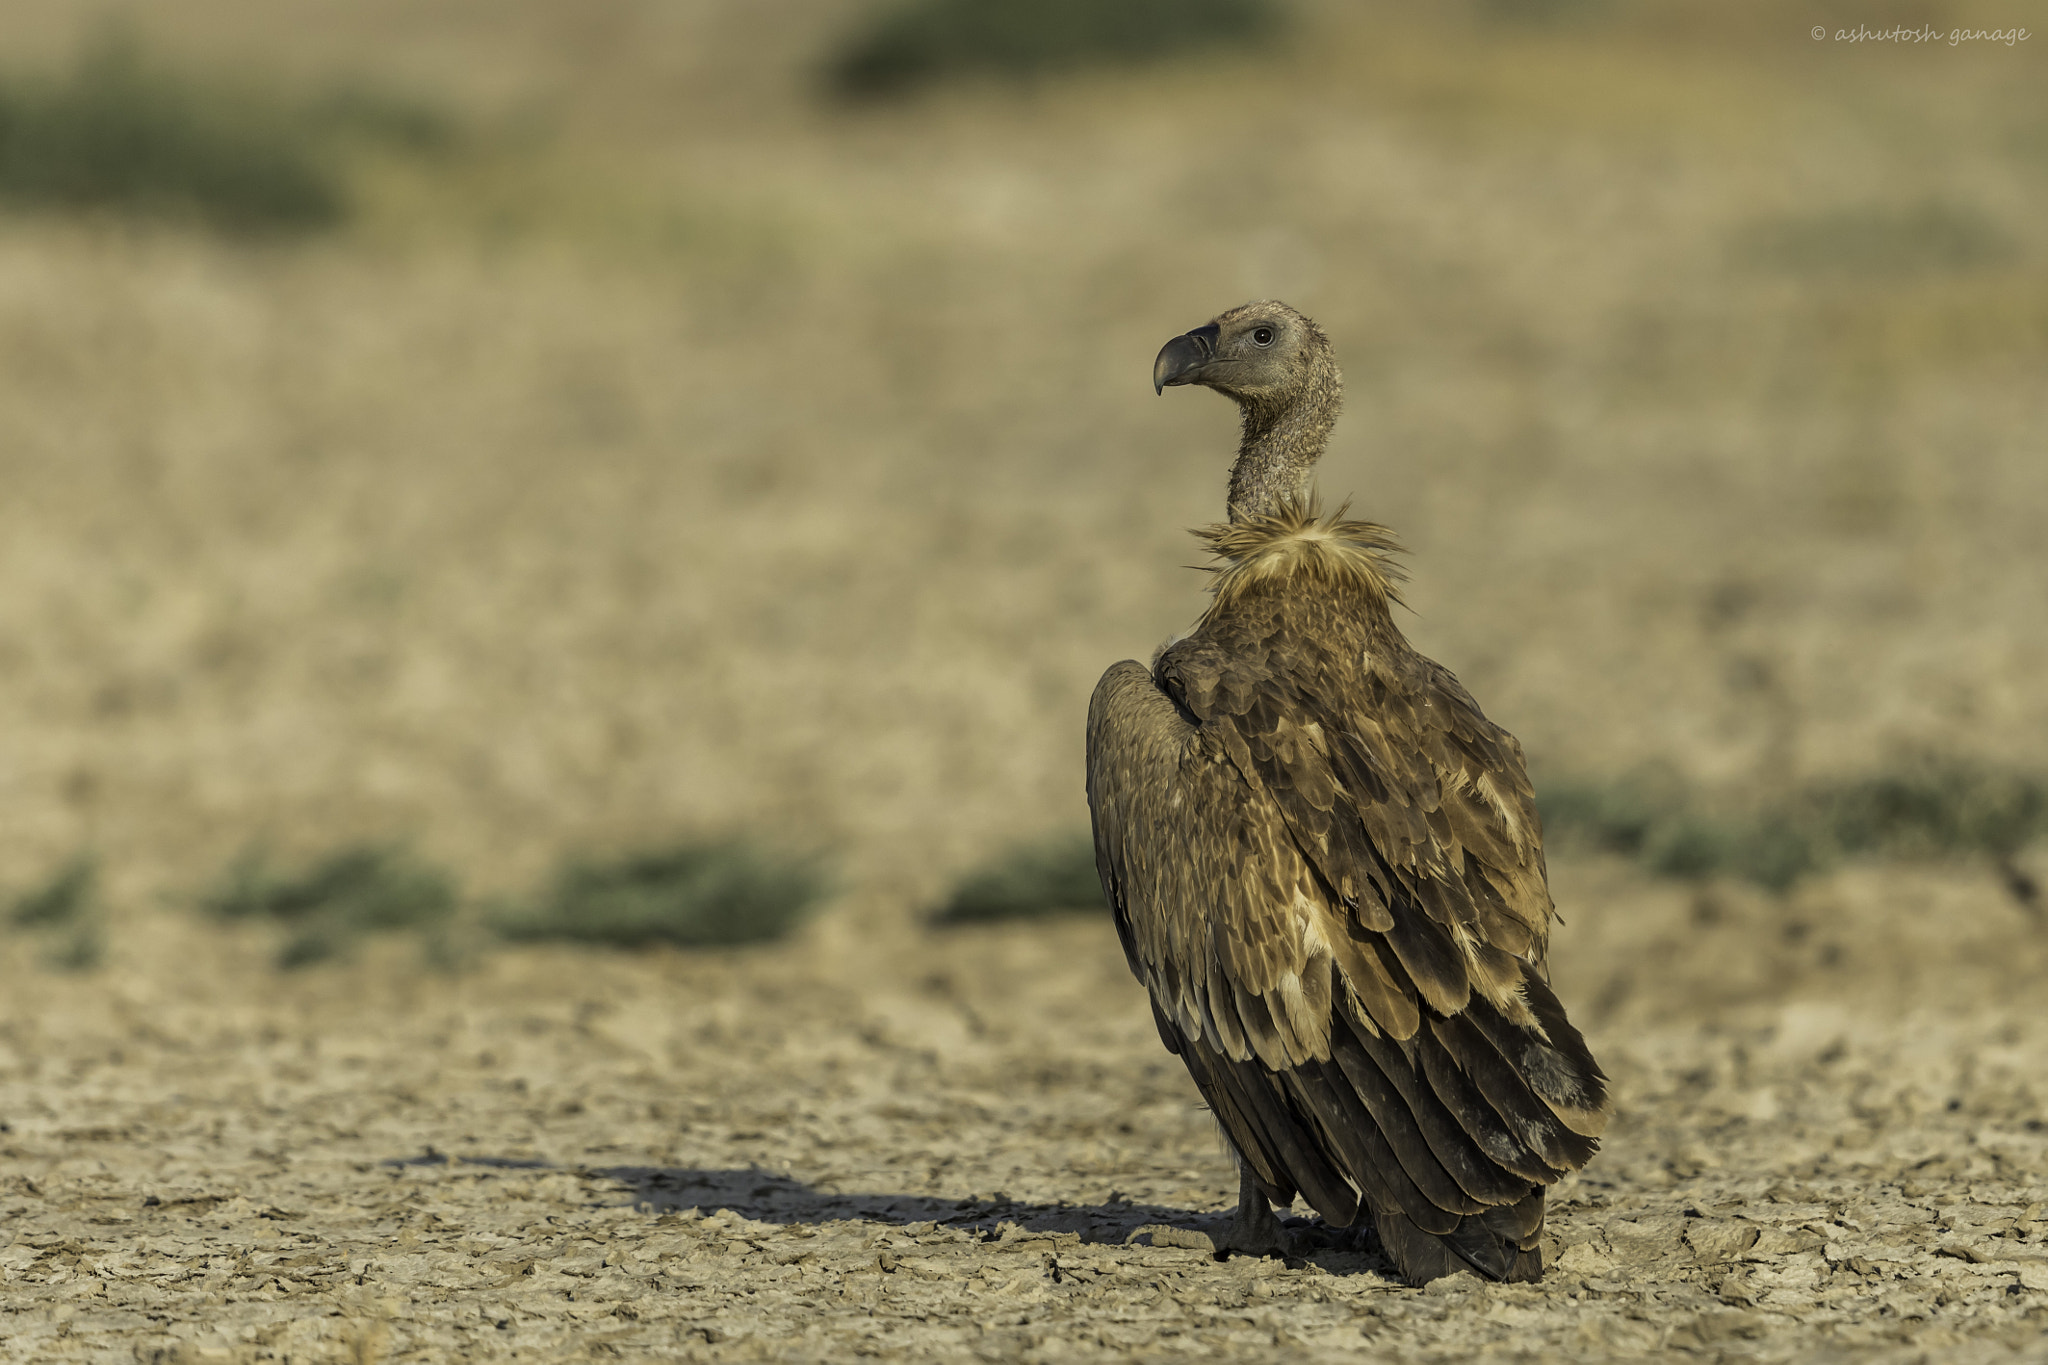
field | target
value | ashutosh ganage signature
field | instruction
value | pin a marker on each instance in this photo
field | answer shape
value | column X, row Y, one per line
column 1926, row 33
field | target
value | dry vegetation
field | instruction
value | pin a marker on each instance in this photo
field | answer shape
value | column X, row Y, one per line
column 683, row 455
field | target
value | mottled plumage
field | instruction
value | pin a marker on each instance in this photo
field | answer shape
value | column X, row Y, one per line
column 1326, row 867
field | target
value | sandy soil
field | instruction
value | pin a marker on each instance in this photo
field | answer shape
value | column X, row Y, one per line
column 970, row 1145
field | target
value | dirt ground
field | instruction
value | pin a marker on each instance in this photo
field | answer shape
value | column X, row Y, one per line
column 970, row 1145
column 682, row 455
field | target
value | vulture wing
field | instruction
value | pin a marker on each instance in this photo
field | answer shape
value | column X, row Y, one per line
column 1325, row 865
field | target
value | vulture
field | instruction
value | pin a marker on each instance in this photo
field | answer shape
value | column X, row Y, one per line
column 1326, row 867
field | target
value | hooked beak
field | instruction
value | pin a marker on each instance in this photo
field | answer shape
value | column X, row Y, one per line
column 1181, row 359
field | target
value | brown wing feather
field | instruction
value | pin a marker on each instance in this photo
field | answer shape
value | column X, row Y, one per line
column 1326, row 867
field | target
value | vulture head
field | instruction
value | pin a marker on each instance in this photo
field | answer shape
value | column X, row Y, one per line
column 1263, row 354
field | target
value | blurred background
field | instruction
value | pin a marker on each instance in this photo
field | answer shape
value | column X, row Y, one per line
column 448, row 449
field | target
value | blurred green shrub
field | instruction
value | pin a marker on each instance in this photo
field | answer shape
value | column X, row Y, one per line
column 63, row 908
column 925, row 41
column 1935, row 809
column 1607, row 817
column 369, row 113
column 1055, row 876
column 1653, row 819
column 120, row 134
column 1538, row 13
column 693, row 895
column 1926, row 238
column 333, row 901
column 1924, row 810
column 60, row 899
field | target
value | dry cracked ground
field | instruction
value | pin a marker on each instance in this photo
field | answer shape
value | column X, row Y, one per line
column 969, row 1145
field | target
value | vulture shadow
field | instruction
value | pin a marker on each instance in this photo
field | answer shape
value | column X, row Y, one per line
column 769, row 1197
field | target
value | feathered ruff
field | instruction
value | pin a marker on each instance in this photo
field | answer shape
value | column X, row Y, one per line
column 1296, row 547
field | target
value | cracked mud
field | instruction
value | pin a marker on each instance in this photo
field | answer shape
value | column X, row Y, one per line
column 970, row 1146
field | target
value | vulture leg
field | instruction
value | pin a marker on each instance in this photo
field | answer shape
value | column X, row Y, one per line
column 1252, row 1230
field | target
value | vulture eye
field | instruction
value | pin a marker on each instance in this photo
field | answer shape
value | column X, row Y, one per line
column 1262, row 336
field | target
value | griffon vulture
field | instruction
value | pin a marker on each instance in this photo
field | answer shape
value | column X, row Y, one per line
column 1326, row 867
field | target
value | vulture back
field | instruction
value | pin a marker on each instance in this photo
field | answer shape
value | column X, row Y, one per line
column 1325, row 865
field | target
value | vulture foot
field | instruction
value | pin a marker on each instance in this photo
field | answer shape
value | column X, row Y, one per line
column 1252, row 1229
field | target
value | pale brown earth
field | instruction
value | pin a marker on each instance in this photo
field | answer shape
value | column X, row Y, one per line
column 971, row 1146
column 685, row 456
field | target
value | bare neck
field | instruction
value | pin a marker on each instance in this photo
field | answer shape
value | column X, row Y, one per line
column 1280, row 447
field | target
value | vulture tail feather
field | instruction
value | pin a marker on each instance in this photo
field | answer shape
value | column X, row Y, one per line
column 1390, row 1113
column 1481, row 1177
column 1364, row 1146
column 1561, row 1069
column 1510, row 1096
column 1520, row 1223
column 1344, row 1125
column 1489, row 1131
column 1422, row 1257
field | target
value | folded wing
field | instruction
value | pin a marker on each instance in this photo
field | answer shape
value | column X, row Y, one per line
column 1325, row 866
